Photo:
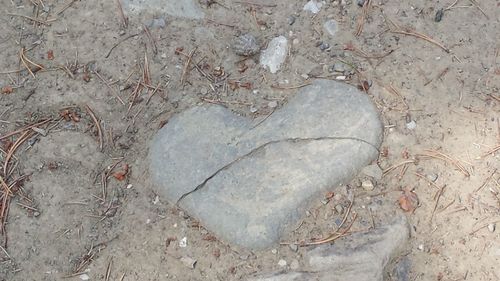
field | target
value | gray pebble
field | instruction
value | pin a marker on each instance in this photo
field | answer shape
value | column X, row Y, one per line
column 246, row 45
column 339, row 209
column 323, row 46
column 272, row 104
column 360, row 2
column 291, row 20
column 293, row 247
column 188, row 262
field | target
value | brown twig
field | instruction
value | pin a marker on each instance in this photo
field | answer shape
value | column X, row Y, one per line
column 186, row 66
column 255, row 4
column 122, row 14
column 439, row 76
column 393, row 167
column 46, row 22
column 109, row 87
column 334, row 236
column 98, row 126
column 279, row 87
column 362, row 18
column 439, row 155
column 413, row 33
column 486, row 181
column 479, row 8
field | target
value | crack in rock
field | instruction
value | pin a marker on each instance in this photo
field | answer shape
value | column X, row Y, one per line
column 262, row 146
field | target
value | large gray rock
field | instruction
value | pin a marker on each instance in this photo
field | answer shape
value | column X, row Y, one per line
column 359, row 257
column 247, row 183
column 178, row 8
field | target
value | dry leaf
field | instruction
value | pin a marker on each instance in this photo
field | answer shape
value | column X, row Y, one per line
column 50, row 55
column 408, row 201
column 7, row 90
column 329, row 195
column 121, row 175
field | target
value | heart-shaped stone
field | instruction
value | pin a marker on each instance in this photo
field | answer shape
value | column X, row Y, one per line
column 248, row 182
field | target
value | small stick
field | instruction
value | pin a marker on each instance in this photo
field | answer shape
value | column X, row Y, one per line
column 109, row 86
column 333, row 237
column 5, row 252
column 446, row 158
column 14, row 147
column 486, row 181
column 491, row 151
column 151, row 39
column 186, row 66
column 122, row 14
column 421, row 36
column 97, row 124
column 479, row 8
column 119, row 42
column 361, row 20
column 290, row 87
column 32, row 19
column 66, row 7
column 451, row 6
column 108, row 270
column 25, row 128
column 428, row 180
column 393, row 167
column 255, row 4
column 440, row 75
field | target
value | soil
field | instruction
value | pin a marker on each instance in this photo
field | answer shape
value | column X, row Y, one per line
column 76, row 208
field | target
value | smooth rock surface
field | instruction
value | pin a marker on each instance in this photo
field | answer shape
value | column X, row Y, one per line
column 359, row 257
column 275, row 54
column 183, row 9
column 247, row 183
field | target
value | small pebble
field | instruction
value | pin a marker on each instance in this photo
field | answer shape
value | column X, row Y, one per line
column 274, row 251
column 84, row 277
column 341, row 77
column 411, row 125
column 324, row 46
column 367, row 185
column 291, row 20
column 272, row 104
column 331, row 27
column 421, row 247
column 246, row 45
column 188, row 262
column 313, row 6
column 183, row 242
column 339, row 209
column 293, row 247
column 36, row 214
column 439, row 15
column 432, row 177
column 282, row 263
column 244, row 257
column 253, row 109
column 360, row 2
column 492, row 227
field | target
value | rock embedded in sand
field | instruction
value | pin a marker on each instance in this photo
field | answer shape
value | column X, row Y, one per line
column 249, row 183
column 275, row 54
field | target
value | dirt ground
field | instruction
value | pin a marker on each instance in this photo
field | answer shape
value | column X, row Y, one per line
column 75, row 208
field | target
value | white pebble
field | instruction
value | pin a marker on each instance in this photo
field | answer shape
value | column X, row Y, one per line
column 183, row 243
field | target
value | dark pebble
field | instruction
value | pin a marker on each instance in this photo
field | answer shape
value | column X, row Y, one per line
column 361, row 3
column 439, row 15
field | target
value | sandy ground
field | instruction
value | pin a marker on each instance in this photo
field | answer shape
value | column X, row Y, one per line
column 63, row 219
